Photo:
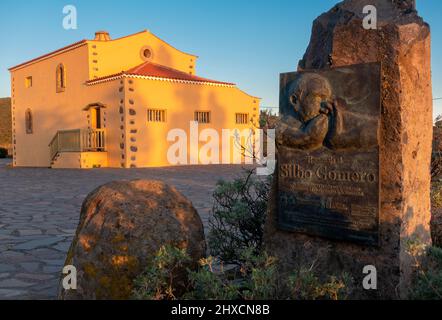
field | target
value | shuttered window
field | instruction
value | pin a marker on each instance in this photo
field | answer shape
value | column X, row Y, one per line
column 156, row 115
column 60, row 75
column 29, row 122
column 202, row 116
column 241, row 118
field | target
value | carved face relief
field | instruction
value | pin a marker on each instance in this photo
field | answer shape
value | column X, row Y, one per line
column 328, row 153
column 308, row 94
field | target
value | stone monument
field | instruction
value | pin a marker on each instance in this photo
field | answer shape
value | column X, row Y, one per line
column 352, row 184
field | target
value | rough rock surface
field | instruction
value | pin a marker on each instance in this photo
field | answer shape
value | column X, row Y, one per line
column 402, row 44
column 122, row 225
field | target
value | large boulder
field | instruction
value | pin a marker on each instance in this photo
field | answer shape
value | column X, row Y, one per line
column 122, row 225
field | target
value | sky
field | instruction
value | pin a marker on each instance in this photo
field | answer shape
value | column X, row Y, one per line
column 242, row 41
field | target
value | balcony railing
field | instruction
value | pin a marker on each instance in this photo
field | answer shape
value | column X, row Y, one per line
column 78, row 140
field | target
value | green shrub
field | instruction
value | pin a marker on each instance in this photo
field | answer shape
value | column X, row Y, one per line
column 238, row 217
column 260, row 274
column 256, row 279
column 3, row 153
column 160, row 279
column 428, row 283
column 436, row 195
column 305, row 285
column 208, row 285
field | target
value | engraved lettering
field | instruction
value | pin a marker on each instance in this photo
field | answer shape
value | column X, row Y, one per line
column 328, row 153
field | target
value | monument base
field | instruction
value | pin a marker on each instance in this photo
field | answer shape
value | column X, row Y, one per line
column 295, row 251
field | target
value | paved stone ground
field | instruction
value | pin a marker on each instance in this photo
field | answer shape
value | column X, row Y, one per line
column 39, row 211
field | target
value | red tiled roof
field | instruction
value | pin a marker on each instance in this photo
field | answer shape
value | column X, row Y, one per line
column 150, row 69
column 71, row 46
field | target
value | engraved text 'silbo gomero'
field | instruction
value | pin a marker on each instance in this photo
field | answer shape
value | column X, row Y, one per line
column 328, row 153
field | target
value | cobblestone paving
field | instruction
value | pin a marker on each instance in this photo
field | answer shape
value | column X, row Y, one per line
column 39, row 211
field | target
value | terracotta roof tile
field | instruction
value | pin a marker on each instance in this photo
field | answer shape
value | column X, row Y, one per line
column 150, row 69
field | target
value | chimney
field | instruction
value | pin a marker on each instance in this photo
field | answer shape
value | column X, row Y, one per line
column 102, row 36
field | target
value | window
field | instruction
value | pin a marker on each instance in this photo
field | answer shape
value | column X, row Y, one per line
column 242, row 118
column 202, row 116
column 29, row 125
column 28, row 82
column 154, row 115
column 146, row 53
column 61, row 78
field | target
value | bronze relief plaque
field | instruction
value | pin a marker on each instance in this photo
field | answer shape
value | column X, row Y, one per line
column 328, row 153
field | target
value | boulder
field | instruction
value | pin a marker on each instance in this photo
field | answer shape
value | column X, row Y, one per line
column 122, row 225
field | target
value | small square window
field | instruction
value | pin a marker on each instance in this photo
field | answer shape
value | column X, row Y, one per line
column 202, row 116
column 28, row 82
column 242, row 118
column 156, row 115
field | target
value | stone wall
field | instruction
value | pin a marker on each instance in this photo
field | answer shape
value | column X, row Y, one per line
column 5, row 124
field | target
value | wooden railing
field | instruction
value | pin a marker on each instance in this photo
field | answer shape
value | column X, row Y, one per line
column 94, row 140
column 78, row 140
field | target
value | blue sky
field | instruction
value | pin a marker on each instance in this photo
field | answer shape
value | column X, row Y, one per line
column 247, row 42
